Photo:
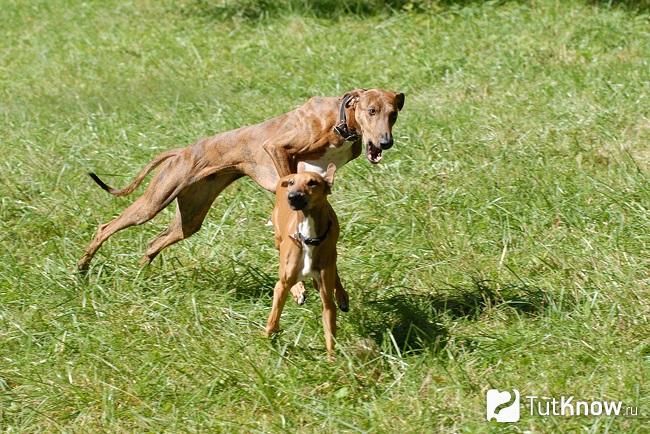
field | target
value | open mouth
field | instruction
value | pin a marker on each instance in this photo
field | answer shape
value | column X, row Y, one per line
column 373, row 153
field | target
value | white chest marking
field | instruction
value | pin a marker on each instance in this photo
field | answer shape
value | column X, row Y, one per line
column 337, row 155
column 307, row 229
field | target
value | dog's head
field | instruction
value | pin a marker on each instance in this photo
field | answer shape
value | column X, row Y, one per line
column 375, row 112
column 306, row 190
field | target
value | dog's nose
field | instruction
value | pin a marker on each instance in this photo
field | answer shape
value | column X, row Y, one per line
column 386, row 142
column 296, row 195
column 297, row 199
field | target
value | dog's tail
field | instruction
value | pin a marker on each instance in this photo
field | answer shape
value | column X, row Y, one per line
column 138, row 179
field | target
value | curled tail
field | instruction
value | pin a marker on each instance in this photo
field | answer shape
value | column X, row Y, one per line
column 138, row 179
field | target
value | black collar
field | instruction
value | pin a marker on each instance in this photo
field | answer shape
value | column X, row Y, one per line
column 312, row 241
column 342, row 127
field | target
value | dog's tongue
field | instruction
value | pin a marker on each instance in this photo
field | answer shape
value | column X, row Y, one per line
column 374, row 154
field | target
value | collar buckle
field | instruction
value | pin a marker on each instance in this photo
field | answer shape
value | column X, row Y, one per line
column 342, row 128
column 344, row 131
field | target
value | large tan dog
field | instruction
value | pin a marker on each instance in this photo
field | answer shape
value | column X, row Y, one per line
column 322, row 131
column 306, row 232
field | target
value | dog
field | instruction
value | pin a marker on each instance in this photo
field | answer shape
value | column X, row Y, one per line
column 324, row 130
column 306, row 232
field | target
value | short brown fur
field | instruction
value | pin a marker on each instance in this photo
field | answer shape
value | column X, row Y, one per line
column 287, row 221
column 266, row 152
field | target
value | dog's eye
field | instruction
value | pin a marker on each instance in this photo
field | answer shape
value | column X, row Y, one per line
column 291, row 182
column 312, row 183
column 372, row 111
column 392, row 117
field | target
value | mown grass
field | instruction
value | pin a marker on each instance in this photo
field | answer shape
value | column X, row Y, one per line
column 503, row 242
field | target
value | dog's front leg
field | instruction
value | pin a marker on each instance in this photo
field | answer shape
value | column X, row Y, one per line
column 280, row 157
column 280, row 293
column 326, row 289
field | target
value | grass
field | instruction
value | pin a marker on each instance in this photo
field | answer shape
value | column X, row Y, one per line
column 504, row 242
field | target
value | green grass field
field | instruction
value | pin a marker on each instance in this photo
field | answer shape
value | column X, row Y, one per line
column 504, row 242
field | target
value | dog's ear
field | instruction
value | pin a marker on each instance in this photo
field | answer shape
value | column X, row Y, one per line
column 354, row 96
column 329, row 177
column 399, row 101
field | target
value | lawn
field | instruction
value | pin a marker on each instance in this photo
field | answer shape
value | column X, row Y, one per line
column 504, row 241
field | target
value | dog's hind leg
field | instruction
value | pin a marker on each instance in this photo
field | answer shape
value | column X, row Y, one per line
column 193, row 204
column 341, row 295
column 165, row 186
column 139, row 212
column 326, row 288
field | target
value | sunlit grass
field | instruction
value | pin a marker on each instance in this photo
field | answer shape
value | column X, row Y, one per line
column 503, row 242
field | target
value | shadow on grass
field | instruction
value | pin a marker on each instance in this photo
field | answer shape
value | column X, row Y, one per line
column 463, row 302
column 413, row 320
column 331, row 9
column 396, row 318
column 244, row 282
column 402, row 320
column 636, row 6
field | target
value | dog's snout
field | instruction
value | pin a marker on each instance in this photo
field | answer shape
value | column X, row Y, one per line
column 297, row 199
column 296, row 195
column 386, row 142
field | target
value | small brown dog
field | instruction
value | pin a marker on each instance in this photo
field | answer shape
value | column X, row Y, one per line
column 306, row 231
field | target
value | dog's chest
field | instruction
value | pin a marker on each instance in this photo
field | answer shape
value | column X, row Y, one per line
column 307, row 229
column 339, row 155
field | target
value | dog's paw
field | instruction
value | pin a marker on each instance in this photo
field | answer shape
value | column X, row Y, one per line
column 343, row 301
column 299, row 293
column 301, row 299
column 82, row 267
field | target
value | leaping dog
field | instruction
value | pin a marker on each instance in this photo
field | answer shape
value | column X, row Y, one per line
column 322, row 131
